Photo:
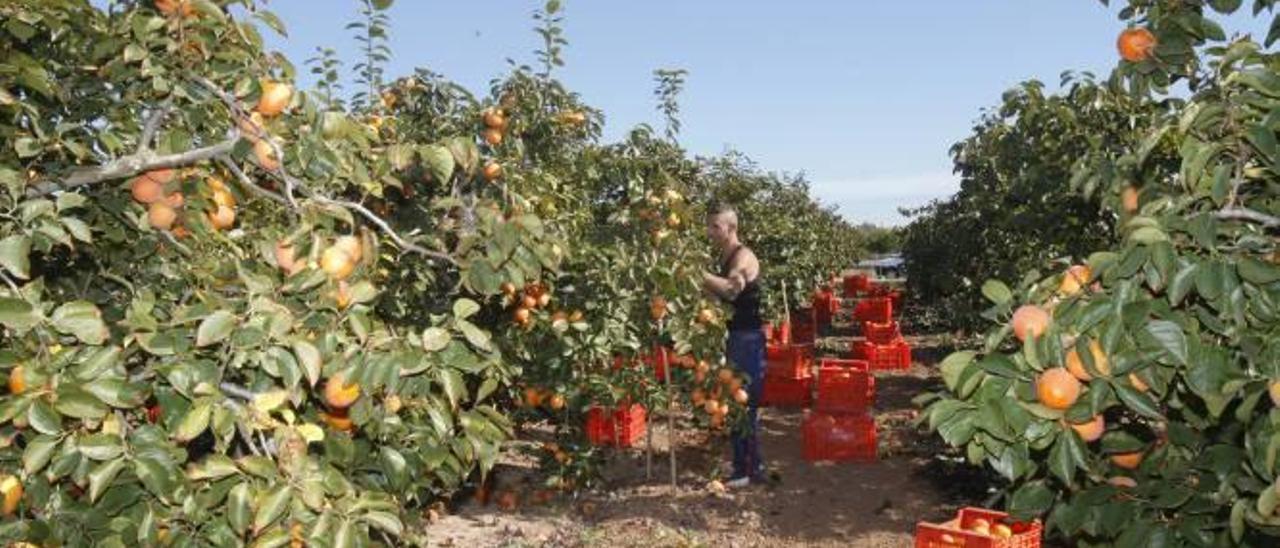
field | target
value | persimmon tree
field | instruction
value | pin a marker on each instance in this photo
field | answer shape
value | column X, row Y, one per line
column 1136, row 402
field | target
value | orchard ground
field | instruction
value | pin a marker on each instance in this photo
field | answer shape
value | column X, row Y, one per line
column 844, row 504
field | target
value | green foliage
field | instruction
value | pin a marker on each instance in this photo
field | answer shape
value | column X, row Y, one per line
column 1016, row 209
column 1183, row 310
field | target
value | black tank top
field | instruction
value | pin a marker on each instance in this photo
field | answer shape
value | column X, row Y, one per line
column 746, row 307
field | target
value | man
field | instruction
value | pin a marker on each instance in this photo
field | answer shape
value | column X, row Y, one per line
column 738, row 284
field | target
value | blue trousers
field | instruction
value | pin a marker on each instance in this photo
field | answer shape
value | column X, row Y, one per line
column 745, row 351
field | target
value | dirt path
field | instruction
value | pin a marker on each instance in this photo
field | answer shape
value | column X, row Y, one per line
column 805, row 504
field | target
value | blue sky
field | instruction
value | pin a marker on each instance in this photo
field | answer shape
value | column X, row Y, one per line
column 864, row 97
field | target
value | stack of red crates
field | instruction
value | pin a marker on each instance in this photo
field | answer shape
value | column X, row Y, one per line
column 845, row 386
column 856, row 284
column 874, row 309
column 804, row 326
column 788, row 380
column 840, row 427
column 623, row 426
column 959, row 531
column 881, row 332
column 839, row 437
column 825, row 305
column 884, row 347
column 894, row 355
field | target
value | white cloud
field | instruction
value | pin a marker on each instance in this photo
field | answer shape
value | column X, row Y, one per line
column 877, row 199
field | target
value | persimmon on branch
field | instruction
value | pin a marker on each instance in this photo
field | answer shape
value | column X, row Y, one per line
column 291, row 182
column 145, row 160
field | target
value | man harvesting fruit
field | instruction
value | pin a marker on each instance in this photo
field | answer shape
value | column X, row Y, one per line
column 738, row 284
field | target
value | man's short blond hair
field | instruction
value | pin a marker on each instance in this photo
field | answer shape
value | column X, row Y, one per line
column 728, row 211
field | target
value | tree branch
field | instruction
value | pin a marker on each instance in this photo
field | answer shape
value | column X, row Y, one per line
column 235, row 391
column 9, row 282
column 1244, row 214
column 382, row 225
column 257, row 132
column 128, row 166
column 290, row 182
column 248, row 183
column 153, row 124
column 168, row 236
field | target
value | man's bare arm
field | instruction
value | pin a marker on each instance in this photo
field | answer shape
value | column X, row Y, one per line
column 726, row 288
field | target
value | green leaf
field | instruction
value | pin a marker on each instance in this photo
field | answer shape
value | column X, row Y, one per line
column 271, row 505
column 344, row 537
column 194, row 422
column 310, row 360
column 439, row 162
column 214, row 466
column 1031, row 500
column 435, row 339
column 1237, row 519
column 238, row 507
column 215, row 328
column 38, row 452
column 476, row 336
column 1137, row 401
column 455, row 388
column 465, row 154
column 99, row 362
column 996, row 292
column 79, row 229
column 465, row 308
column 953, row 365
column 17, row 314
column 486, row 388
column 1225, row 7
column 1170, row 338
column 155, row 476
column 77, row 403
column 102, row 476
column 1061, row 461
column 1258, row 272
column 81, row 319
column 1148, row 235
column 386, row 521
column 43, row 418
column 15, row 254
column 272, row 21
column 1182, row 283
column 134, row 53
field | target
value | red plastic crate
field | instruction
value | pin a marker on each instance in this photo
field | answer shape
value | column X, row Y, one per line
column 953, row 533
column 622, row 427
column 843, row 389
column 895, row 355
column 881, row 332
column 825, row 306
column 804, row 323
column 788, row 361
column 777, row 334
column 839, row 437
column 875, row 309
column 782, row 392
column 861, row 365
column 855, row 284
